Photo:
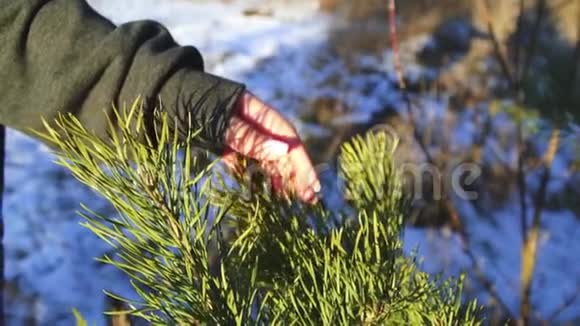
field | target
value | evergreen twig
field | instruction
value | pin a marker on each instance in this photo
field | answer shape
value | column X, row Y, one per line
column 198, row 252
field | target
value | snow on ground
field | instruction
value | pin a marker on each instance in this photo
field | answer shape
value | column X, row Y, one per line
column 49, row 256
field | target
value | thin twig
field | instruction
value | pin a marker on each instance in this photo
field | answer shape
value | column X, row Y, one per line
column 576, row 57
column 522, row 185
column 482, row 278
column 518, row 47
column 530, row 248
column 395, row 45
column 565, row 304
column 540, row 12
column 401, row 80
column 499, row 52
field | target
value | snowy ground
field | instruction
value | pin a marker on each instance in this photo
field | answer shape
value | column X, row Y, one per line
column 49, row 256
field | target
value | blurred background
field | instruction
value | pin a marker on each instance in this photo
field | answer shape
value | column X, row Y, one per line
column 484, row 95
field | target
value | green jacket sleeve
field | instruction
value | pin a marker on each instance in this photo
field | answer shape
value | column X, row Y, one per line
column 59, row 56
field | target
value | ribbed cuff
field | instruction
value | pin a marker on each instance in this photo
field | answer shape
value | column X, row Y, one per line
column 199, row 101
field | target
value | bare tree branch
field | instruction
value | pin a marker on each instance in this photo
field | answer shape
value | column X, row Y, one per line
column 540, row 13
column 530, row 248
column 500, row 53
column 518, row 47
column 575, row 59
column 522, row 186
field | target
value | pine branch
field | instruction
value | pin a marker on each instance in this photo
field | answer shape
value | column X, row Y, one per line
column 199, row 252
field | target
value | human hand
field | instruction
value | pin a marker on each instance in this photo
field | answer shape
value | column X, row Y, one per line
column 259, row 132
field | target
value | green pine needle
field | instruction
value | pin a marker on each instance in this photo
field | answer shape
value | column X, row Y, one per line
column 200, row 248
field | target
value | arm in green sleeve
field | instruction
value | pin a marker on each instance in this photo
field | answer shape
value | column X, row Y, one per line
column 59, row 56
